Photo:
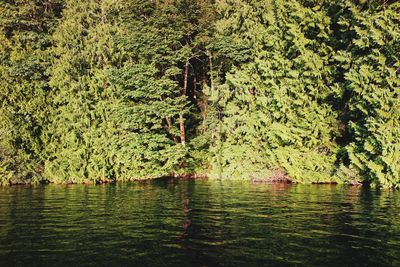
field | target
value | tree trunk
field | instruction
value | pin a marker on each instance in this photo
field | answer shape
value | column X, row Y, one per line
column 194, row 87
column 169, row 127
column 181, row 118
column 211, row 71
column 169, row 123
column 182, row 128
column 185, row 79
column 204, row 99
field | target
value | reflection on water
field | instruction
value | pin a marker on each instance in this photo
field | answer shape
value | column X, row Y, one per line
column 199, row 223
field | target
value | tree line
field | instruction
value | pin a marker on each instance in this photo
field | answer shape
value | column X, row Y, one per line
column 113, row 90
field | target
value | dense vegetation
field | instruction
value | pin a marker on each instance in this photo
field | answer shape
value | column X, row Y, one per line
column 113, row 90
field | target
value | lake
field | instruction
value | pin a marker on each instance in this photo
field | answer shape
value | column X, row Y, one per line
column 198, row 223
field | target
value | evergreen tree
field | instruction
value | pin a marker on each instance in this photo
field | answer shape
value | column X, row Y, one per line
column 113, row 90
column 153, row 104
column 198, row 19
column 116, row 88
column 274, row 100
column 373, row 84
column 25, row 39
column 78, row 139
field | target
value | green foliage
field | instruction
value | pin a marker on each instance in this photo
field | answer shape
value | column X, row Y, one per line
column 82, row 54
column 112, row 98
column 374, row 84
column 275, row 97
column 113, row 90
column 25, row 39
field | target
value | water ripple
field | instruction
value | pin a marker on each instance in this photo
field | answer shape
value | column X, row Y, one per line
column 198, row 223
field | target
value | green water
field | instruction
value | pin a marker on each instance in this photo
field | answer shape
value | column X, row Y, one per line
column 198, row 223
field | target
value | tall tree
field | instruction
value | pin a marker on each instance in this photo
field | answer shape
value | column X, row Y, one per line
column 274, row 101
column 373, row 84
column 198, row 20
column 25, row 42
column 117, row 91
column 80, row 133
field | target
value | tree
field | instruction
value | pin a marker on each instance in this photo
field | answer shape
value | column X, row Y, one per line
column 274, row 100
column 117, row 97
column 373, row 84
column 79, row 136
column 25, row 42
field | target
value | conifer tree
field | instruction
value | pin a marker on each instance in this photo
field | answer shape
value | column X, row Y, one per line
column 198, row 18
column 373, row 83
column 78, row 138
column 153, row 104
column 110, row 90
column 273, row 102
column 25, row 42
column 116, row 91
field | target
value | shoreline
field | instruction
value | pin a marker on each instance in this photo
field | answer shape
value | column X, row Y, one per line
column 179, row 177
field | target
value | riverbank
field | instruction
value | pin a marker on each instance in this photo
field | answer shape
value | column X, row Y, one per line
column 277, row 179
column 37, row 180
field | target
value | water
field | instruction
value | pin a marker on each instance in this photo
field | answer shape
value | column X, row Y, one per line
column 198, row 223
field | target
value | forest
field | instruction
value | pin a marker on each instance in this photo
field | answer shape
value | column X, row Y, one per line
column 95, row 91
